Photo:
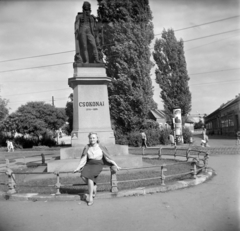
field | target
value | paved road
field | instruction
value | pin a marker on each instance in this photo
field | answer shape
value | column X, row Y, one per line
column 216, row 140
column 210, row 206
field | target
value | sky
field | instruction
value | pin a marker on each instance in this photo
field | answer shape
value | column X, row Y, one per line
column 33, row 28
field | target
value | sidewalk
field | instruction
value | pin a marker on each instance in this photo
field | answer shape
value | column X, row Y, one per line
column 216, row 140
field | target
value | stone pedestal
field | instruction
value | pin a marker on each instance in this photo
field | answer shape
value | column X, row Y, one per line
column 90, row 104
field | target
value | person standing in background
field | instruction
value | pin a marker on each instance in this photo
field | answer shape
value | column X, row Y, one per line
column 144, row 139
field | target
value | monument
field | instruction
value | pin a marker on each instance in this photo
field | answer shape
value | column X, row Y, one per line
column 90, row 98
column 89, row 82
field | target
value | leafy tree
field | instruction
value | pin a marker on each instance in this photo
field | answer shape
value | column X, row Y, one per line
column 35, row 119
column 198, row 125
column 128, row 32
column 171, row 74
column 3, row 109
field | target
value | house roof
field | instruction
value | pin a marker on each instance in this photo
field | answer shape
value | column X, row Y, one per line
column 230, row 102
column 158, row 114
column 190, row 120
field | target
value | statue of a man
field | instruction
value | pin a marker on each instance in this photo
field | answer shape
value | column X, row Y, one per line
column 86, row 36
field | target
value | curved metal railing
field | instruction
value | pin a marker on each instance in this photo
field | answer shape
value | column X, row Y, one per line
column 198, row 159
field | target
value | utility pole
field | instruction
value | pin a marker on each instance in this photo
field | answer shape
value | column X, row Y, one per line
column 53, row 101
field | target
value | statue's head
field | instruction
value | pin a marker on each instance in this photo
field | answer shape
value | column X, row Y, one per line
column 86, row 6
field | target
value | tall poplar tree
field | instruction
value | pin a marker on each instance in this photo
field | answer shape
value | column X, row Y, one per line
column 171, row 74
column 127, row 34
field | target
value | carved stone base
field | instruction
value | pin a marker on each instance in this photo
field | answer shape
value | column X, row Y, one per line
column 79, row 137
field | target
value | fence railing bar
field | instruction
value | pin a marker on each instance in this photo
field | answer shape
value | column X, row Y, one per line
column 40, row 186
column 33, row 173
column 152, row 178
column 179, row 174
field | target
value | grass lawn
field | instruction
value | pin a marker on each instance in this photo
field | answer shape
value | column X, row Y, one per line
column 39, row 185
column 21, row 153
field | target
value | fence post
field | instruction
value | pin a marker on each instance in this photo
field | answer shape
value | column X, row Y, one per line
column 194, row 169
column 175, row 153
column 206, row 162
column 43, row 158
column 11, row 179
column 163, row 177
column 58, row 184
column 143, row 151
column 114, row 182
column 187, row 154
column 7, row 163
column 160, row 153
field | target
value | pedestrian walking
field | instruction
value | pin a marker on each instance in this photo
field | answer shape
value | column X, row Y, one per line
column 144, row 139
column 10, row 146
column 204, row 132
column 172, row 140
column 204, row 141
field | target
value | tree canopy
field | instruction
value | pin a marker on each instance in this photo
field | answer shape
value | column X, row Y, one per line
column 3, row 108
column 128, row 32
column 171, row 74
column 35, row 118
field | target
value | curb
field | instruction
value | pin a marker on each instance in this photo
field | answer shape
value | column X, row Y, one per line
column 200, row 178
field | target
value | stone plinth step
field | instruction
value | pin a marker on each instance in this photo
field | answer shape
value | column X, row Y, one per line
column 75, row 152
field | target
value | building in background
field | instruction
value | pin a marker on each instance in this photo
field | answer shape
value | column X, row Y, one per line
column 160, row 117
column 189, row 123
column 225, row 120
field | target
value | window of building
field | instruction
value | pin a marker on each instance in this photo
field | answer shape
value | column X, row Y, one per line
column 209, row 125
column 224, row 123
column 231, row 122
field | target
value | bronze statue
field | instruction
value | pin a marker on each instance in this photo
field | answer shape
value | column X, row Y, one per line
column 88, row 49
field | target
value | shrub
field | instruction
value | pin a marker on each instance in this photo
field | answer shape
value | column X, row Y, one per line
column 134, row 139
column 164, row 136
column 121, row 138
column 152, row 130
column 153, row 136
column 150, row 124
column 22, row 142
column 3, row 139
column 187, row 134
column 48, row 141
